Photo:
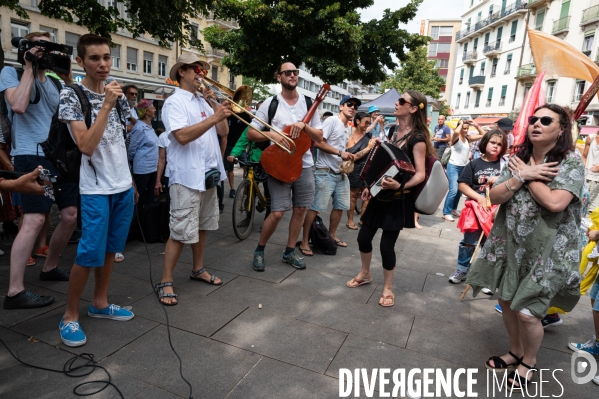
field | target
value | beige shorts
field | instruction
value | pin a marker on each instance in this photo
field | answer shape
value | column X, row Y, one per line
column 192, row 211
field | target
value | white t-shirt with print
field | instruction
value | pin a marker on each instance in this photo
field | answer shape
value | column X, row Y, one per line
column 336, row 135
column 107, row 170
column 286, row 115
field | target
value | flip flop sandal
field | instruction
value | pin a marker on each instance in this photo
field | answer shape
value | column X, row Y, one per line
column 355, row 280
column 500, row 364
column 42, row 252
column 520, row 379
column 354, row 227
column 160, row 293
column 31, row 262
column 341, row 243
column 306, row 252
column 194, row 277
column 384, row 297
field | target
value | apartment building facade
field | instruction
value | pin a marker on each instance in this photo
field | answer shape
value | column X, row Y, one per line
column 442, row 49
column 139, row 61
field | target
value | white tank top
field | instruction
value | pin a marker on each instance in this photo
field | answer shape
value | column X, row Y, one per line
column 460, row 152
column 592, row 159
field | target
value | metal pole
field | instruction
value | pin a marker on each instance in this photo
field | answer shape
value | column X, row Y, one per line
column 521, row 56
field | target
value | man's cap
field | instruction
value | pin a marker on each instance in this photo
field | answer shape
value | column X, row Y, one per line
column 373, row 108
column 505, row 124
column 187, row 59
column 347, row 97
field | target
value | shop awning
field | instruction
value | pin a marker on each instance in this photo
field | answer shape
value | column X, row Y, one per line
column 486, row 121
column 586, row 130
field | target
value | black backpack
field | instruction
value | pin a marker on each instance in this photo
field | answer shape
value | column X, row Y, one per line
column 321, row 238
column 60, row 148
column 5, row 121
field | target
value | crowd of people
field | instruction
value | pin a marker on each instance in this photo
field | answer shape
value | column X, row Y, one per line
column 529, row 257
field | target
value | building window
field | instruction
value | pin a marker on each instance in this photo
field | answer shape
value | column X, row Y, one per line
column 18, row 29
column 587, row 44
column 550, row 90
column 467, row 100
column 51, row 31
column 446, row 31
column 579, row 90
column 539, row 20
column 457, row 105
column 494, row 67
column 131, row 59
column 194, row 31
column 442, row 63
column 477, row 101
column 215, row 73
column 508, row 64
column 499, row 34
column 148, row 57
column 475, row 45
column 503, row 93
column 482, row 69
column 526, row 89
column 489, row 97
column 487, row 39
column 435, row 32
column 465, row 50
column 461, row 76
column 514, row 29
column 435, row 48
column 71, row 39
column 162, row 61
column 232, row 85
column 115, row 55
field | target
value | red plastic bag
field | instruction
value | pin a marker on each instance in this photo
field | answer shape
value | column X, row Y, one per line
column 475, row 217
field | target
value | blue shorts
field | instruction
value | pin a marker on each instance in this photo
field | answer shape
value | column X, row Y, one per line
column 329, row 184
column 595, row 295
column 105, row 226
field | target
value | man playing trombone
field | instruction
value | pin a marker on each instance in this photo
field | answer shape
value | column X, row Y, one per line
column 195, row 168
column 291, row 109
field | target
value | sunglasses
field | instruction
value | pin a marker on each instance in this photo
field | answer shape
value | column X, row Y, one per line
column 352, row 105
column 368, row 123
column 199, row 70
column 545, row 120
column 289, row 72
column 402, row 101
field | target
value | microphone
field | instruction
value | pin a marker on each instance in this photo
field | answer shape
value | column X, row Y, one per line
column 15, row 41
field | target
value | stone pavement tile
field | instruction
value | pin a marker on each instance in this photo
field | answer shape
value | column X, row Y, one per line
column 212, row 368
column 404, row 280
column 292, row 341
column 152, row 392
column 329, row 285
column 359, row 319
column 331, row 263
column 455, row 343
column 196, row 313
column 433, row 306
column 285, row 300
column 265, row 381
column 426, row 231
column 440, row 285
column 103, row 336
column 9, row 318
column 241, row 264
column 129, row 386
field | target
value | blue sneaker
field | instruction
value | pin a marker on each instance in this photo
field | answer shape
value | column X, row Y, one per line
column 258, row 263
column 498, row 309
column 294, row 260
column 552, row 321
column 112, row 312
column 591, row 346
column 71, row 333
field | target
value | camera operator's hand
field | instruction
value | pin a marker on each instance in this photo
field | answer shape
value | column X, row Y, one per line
column 28, row 55
column 113, row 92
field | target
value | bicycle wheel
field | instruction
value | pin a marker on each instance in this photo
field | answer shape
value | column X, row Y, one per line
column 243, row 210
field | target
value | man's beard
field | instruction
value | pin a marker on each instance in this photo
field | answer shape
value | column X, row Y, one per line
column 289, row 86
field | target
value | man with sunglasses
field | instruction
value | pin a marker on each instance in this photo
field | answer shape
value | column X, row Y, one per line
column 330, row 182
column 193, row 125
column 291, row 109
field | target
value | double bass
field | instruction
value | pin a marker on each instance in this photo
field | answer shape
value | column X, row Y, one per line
column 282, row 165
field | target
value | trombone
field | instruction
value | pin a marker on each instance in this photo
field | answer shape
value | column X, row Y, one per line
column 239, row 99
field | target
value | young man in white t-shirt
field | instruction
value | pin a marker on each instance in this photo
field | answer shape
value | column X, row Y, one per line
column 330, row 183
column 292, row 108
column 107, row 194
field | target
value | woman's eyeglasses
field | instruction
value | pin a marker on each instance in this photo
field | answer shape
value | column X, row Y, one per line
column 402, row 101
column 545, row 120
column 290, row 72
column 199, row 70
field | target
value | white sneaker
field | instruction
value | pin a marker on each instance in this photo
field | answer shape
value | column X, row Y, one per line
column 457, row 277
column 486, row 291
column 596, row 379
column 449, row 218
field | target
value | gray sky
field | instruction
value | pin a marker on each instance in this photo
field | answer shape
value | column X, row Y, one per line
column 429, row 9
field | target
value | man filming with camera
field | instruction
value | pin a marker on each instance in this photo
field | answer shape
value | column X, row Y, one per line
column 32, row 99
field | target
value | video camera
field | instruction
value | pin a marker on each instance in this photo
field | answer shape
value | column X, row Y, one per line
column 48, row 59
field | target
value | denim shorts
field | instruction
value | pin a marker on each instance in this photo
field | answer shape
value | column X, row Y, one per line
column 595, row 294
column 105, row 223
column 329, row 184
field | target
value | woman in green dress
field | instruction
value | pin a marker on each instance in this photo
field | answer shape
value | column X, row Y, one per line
column 532, row 254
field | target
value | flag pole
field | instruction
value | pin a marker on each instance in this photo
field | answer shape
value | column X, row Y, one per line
column 521, row 54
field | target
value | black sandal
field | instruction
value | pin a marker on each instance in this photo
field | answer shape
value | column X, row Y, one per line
column 194, row 277
column 160, row 293
column 520, row 379
column 497, row 361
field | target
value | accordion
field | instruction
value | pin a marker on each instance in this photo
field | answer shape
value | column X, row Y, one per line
column 386, row 160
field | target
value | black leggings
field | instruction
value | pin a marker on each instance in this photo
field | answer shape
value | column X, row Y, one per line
column 388, row 240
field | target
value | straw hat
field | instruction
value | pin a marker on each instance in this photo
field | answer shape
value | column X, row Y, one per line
column 187, row 59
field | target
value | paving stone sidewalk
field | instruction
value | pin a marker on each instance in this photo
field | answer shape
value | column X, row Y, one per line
column 283, row 333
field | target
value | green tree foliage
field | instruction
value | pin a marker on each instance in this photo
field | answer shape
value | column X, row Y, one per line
column 166, row 21
column 445, row 108
column 326, row 35
column 261, row 91
column 417, row 72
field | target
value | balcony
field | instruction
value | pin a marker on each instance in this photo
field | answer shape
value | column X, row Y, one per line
column 492, row 20
column 525, row 72
column 562, row 25
column 590, row 15
column 470, row 57
column 215, row 53
column 492, row 50
column 229, row 24
column 476, row 82
column 536, row 4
